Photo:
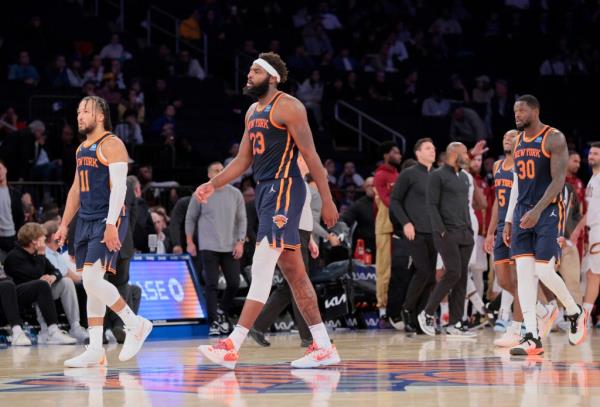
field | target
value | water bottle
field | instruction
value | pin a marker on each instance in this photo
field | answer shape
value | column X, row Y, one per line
column 152, row 242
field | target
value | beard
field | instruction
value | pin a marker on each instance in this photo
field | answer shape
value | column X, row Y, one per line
column 464, row 164
column 258, row 90
column 88, row 129
column 523, row 125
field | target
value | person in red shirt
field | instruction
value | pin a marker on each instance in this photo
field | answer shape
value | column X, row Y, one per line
column 579, row 189
column 385, row 176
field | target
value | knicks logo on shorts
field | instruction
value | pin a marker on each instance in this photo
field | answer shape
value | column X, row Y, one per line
column 280, row 220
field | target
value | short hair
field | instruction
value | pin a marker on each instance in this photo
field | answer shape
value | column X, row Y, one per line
column 386, row 147
column 101, row 106
column 129, row 112
column 276, row 62
column 595, row 144
column 213, row 163
column 51, row 227
column 37, row 125
column 420, row 142
column 573, row 152
column 530, row 101
column 133, row 181
column 453, row 145
column 30, row 232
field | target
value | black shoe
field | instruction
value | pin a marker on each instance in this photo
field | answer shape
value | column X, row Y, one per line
column 528, row 346
column 259, row 337
column 305, row 343
column 214, row 329
column 409, row 325
column 119, row 334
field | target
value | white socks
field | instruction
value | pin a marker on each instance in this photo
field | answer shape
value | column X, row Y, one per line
column 528, row 286
column 382, row 312
column 506, row 302
column 320, row 335
column 238, row 336
column 556, row 284
column 128, row 316
column 515, row 327
column 95, row 336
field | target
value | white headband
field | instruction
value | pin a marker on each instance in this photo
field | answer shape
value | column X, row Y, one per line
column 268, row 67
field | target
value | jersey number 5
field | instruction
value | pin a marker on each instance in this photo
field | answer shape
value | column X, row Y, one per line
column 84, row 181
column 526, row 169
column 502, row 197
column 258, row 142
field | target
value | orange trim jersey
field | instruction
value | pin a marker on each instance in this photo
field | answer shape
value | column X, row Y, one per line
column 532, row 166
column 273, row 147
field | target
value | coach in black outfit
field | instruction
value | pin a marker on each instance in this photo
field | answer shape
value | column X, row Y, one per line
column 407, row 207
column 448, row 206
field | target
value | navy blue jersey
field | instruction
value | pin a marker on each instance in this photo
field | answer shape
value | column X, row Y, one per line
column 532, row 166
column 503, row 180
column 94, row 181
column 273, row 148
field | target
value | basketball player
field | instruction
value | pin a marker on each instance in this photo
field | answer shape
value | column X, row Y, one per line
column 504, row 266
column 591, row 261
column 537, row 214
column 276, row 130
column 98, row 193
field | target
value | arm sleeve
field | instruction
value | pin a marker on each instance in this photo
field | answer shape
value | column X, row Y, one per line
column 433, row 201
column 241, row 221
column 118, row 182
column 191, row 216
column 397, row 198
column 512, row 202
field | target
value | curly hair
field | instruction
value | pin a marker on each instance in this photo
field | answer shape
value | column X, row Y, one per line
column 277, row 63
column 30, row 232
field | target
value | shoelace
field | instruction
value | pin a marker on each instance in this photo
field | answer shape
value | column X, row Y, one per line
column 573, row 319
column 313, row 347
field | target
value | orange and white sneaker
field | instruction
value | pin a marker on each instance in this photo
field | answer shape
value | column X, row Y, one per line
column 222, row 353
column 528, row 346
column 578, row 330
column 92, row 357
column 546, row 322
column 510, row 338
column 316, row 357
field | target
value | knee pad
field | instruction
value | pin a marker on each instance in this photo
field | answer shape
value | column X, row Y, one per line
column 92, row 276
column 544, row 270
column 263, row 266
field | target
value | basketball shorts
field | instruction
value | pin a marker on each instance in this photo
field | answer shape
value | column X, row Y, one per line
column 279, row 205
column 89, row 247
column 540, row 241
column 501, row 251
column 591, row 260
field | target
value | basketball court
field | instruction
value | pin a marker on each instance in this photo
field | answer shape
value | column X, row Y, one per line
column 380, row 368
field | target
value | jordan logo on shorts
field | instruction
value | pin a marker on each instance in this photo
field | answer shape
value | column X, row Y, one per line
column 552, row 214
column 272, row 189
column 280, row 220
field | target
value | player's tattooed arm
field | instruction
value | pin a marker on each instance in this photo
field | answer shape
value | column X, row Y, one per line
column 240, row 163
column 556, row 146
column 292, row 114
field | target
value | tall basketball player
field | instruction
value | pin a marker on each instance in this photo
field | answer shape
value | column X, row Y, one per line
column 537, row 214
column 276, row 130
column 591, row 220
column 504, row 266
column 98, row 193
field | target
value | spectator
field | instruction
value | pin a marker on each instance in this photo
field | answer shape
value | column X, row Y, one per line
column 466, row 125
column 189, row 29
column 75, row 75
column 143, row 225
column 310, row 93
column 23, row 71
column 189, row 67
column 361, row 212
column 483, row 92
column 12, row 301
column 109, row 91
column 380, row 90
column 26, row 264
column 58, row 74
column 316, row 40
column 344, row 62
column 168, row 117
column 43, row 169
column 88, row 89
column 350, row 176
column 435, row 105
column 300, row 63
column 458, row 90
column 554, row 66
column 133, row 102
column 29, row 210
column 446, row 24
column 65, row 288
column 354, row 91
column 129, row 129
column 65, row 151
column 95, row 72
column 384, row 179
column 117, row 74
column 177, row 225
column 500, row 112
column 329, row 20
column 114, row 49
column 11, row 212
column 161, row 225
column 8, row 123
column 221, row 223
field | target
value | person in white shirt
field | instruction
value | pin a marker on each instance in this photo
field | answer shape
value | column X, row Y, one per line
column 591, row 220
column 114, row 49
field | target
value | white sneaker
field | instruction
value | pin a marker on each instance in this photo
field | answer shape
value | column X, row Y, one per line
column 578, row 330
column 134, row 338
column 546, row 322
column 59, row 338
column 21, row 339
column 316, row 357
column 458, row 330
column 80, row 333
column 427, row 323
column 510, row 338
column 92, row 357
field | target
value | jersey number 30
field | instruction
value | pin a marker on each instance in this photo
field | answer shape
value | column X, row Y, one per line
column 526, row 169
column 258, row 142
